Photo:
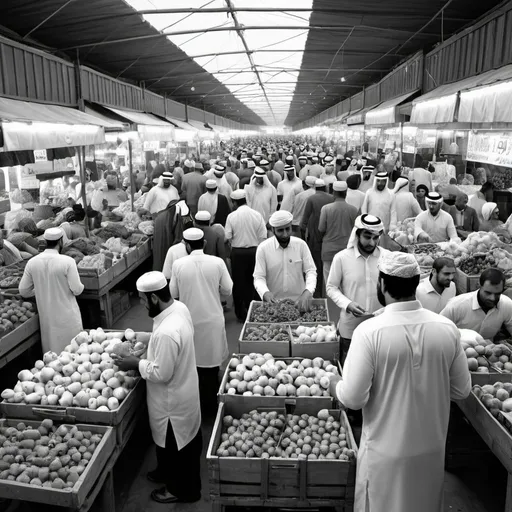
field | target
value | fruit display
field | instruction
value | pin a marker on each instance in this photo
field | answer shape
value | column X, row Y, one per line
column 501, row 179
column 269, row 332
column 13, row 313
column 476, row 264
column 315, row 334
column 404, row 232
column 285, row 311
column 475, row 347
column 83, row 375
column 496, row 397
column 273, row 435
column 46, row 456
column 262, row 375
column 10, row 282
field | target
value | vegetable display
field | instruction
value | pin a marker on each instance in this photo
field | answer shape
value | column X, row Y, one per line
column 404, row 232
column 83, row 375
column 317, row 334
column 262, row 375
column 271, row 332
column 270, row 434
column 47, row 456
column 13, row 313
column 286, row 311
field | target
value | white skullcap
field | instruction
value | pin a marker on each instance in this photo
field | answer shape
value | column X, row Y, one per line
column 219, row 168
column 167, row 175
column 314, row 158
column 319, row 183
column 289, row 158
column 259, row 172
column 193, row 234
column 211, row 184
column 434, row 197
column 328, row 159
column 238, row 194
column 251, row 164
column 198, row 165
column 310, row 181
column 280, row 219
column 53, row 234
column 126, row 182
column 398, row 264
column 151, row 282
column 203, row 216
column 322, row 154
column 339, row 186
column 189, row 163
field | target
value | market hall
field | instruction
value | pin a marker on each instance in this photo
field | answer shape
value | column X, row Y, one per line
column 255, row 256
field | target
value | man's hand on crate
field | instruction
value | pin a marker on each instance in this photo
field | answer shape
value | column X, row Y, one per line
column 125, row 363
column 304, row 301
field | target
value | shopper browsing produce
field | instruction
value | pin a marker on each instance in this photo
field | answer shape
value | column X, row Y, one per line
column 434, row 225
column 53, row 279
column 435, row 292
column 418, row 355
column 169, row 369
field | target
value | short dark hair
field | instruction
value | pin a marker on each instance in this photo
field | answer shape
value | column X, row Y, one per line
column 164, row 294
column 240, row 202
column 340, row 193
column 493, row 275
column 196, row 245
column 51, row 244
column 400, row 287
column 440, row 263
column 487, row 186
column 422, row 187
column 202, row 222
column 323, row 189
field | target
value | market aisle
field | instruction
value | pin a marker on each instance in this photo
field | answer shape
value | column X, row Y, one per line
column 134, row 496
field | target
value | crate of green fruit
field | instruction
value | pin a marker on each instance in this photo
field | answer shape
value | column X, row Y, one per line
column 265, row 338
column 285, row 311
column 315, row 340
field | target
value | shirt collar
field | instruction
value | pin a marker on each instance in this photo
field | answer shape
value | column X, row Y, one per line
column 278, row 246
column 197, row 251
column 162, row 316
column 358, row 254
column 475, row 305
column 410, row 305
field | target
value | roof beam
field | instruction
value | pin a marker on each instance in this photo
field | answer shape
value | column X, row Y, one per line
column 326, row 28
column 49, row 17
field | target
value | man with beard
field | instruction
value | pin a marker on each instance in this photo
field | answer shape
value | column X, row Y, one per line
column 381, row 202
column 169, row 369
column 281, row 264
column 199, row 280
column 311, row 222
column 302, row 171
column 367, row 178
column 160, row 196
column 434, row 225
column 272, row 176
column 289, row 188
column 484, row 311
column 464, row 217
column 353, row 277
column 435, row 292
column 261, row 195
column 405, row 363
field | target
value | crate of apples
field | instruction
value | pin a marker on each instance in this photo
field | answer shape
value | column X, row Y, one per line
column 14, row 313
column 263, row 338
column 315, row 340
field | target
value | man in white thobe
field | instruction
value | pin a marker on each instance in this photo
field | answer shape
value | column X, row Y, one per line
column 161, row 195
column 261, row 195
column 406, row 204
column 53, row 279
column 172, row 393
column 381, row 202
column 288, row 188
column 281, row 263
column 174, row 253
column 434, row 225
column 403, row 368
column 199, row 280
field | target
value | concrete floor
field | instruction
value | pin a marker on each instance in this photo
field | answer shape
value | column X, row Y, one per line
column 479, row 487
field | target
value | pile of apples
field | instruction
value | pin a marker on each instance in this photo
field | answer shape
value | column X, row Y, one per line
column 496, row 397
column 317, row 334
column 270, row 434
column 475, row 347
column 83, row 375
column 261, row 375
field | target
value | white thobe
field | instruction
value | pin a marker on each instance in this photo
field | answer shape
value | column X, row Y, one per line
column 465, row 311
column 299, row 205
column 406, row 205
column 355, row 198
column 199, row 280
column 169, row 369
column 53, row 279
column 439, row 228
column 353, row 278
column 208, row 202
column 289, row 189
column 159, row 197
column 402, row 369
column 281, row 271
column 381, row 204
column 262, row 199
column 174, row 253
column 245, row 228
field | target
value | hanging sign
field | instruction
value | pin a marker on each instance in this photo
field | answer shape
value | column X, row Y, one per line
column 490, row 148
column 151, row 145
column 28, row 177
column 40, row 155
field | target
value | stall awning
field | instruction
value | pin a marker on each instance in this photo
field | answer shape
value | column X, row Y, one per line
column 149, row 126
column 198, row 125
column 387, row 112
column 358, row 117
column 108, row 122
column 182, row 125
column 27, row 125
column 218, row 128
column 488, row 99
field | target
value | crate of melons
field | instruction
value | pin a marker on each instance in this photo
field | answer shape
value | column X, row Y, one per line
column 59, row 465
column 263, row 338
column 315, row 340
column 302, row 451
column 264, row 379
column 82, row 383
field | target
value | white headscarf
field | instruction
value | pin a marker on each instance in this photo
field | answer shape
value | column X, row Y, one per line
column 487, row 210
column 368, row 222
column 400, row 184
column 380, row 176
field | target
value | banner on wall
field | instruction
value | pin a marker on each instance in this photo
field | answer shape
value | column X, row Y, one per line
column 28, row 177
column 490, row 148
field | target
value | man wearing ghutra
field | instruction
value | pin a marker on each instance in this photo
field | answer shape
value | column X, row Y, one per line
column 381, row 202
column 215, row 203
column 418, row 355
column 434, row 225
column 353, row 277
column 261, row 195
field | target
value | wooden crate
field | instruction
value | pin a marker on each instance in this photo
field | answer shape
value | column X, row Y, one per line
column 304, row 481
column 120, row 300
column 465, row 283
column 276, row 348
column 15, row 337
column 325, row 350
column 489, row 378
column 495, row 435
column 72, row 498
column 322, row 302
column 144, row 249
column 94, row 281
column 131, row 258
column 325, row 402
column 119, row 267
